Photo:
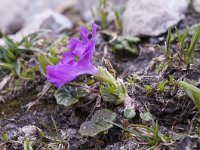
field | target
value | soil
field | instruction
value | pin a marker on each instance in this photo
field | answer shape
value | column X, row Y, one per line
column 175, row 112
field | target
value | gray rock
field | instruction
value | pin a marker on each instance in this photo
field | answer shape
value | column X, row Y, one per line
column 29, row 130
column 12, row 131
column 196, row 5
column 47, row 20
column 14, row 14
column 152, row 17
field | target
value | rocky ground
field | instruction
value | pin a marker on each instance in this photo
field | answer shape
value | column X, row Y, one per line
column 29, row 112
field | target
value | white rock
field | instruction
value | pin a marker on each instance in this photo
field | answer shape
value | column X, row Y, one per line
column 14, row 13
column 196, row 5
column 29, row 130
column 152, row 17
column 47, row 20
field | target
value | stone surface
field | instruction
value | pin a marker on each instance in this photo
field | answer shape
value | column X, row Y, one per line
column 152, row 17
column 29, row 130
column 14, row 14
column 47, row 20
column 196, row 5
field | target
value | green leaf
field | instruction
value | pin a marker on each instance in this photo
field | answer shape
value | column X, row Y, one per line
column 113, row 94
column 12, row 46
column 108, row 93
column 44, row 61
column 147, row 116
column 69, row 95
column 104, row 76
column 118, row 20
column 10, row 55
column 98, row 123
column 27, row 145
column 193, row 92
column 18, row 68
column 167, row 50
column 27, row 43
column 168, row 44
column 195, row 39
column 102, row 11
column 4, row 137
column 126, row 45
column 6, row 65
column 129, row 113
column 40, row 132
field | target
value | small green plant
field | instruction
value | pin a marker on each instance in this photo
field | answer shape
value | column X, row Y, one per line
column 27, row 145
column 189, row 50
column 182, row 37
column 44, row 60
column 14, row 56
column 153, row 135
column 185, row 51
column 193, row 92
column 118, row 18
column 167, row 49
column 150, row 134
column 115, row 91
column 172, row 81
column 4, row 137
column 131, row 79
column 185, row 48
column 103, row 12
column 161, row 86
column 148, row 88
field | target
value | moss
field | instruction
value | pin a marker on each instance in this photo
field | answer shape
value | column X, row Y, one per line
column 15, row 105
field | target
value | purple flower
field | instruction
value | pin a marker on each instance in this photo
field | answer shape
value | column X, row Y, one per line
column 76, row 61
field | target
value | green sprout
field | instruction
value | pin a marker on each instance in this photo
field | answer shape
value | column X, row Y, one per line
column 182, row 37
column 189, row 51
column 150, row 134
column 118, row 18
column 161, row 86
column 185, row 51
column 4, row 137
column 148, row 88
column 14, row 56
column 193, row 92
column 172, row 81
column 131, row 79
column 167, row 50
column 27, row 144
column 103, row 12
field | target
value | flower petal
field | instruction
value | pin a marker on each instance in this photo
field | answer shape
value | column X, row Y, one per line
column 59, row 74
column 94, row 29
column 67, row 68
column 67, row 57
column 84, row 34
column 73, row 43
column 76, row 47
